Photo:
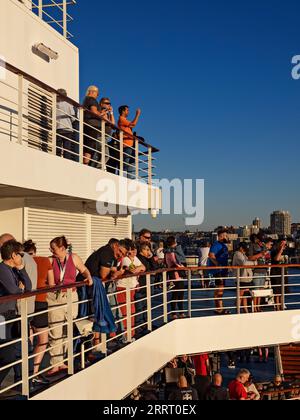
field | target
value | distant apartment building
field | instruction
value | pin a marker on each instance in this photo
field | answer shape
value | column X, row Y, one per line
column 257, row 223
column 281, row 222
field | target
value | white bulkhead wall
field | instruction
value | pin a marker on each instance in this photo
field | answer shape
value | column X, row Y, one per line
column 20, row 30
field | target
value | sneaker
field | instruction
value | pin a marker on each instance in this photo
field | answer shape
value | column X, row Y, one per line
column 40, row 380
column 231, row 365
column 125, row 340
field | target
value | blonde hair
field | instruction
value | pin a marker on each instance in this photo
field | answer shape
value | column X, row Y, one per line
column 90, row 89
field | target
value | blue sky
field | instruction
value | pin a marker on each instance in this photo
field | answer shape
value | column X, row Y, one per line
column 213, row 80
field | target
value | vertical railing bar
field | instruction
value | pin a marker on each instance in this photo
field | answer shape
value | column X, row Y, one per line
column 238, row 291
column 189, row 294
column 121, row 153
column 41, row 9
column 137, row 158
column 54, row 124
column 20, row 107
column 282, row 288
column 81, row 134
column 150, row 165
column 24, row 347
column 70, row 332
column 165, row 297
column 128, row 310
column 149, row 302
column 65, row 21
column 103, row 145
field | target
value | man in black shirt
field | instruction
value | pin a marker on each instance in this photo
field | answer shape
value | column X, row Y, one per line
column 145, row 256
column 184, row 392
column 104, row 262
column 215, row 391
column 13, row 281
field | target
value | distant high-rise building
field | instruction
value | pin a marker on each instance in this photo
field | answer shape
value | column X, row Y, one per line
column 257, row 223
column 281, row 222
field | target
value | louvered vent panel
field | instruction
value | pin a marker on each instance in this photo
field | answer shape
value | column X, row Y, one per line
column 44, row 225
column 105, row 228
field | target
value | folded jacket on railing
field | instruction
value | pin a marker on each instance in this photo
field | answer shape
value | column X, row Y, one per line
column 104, row 321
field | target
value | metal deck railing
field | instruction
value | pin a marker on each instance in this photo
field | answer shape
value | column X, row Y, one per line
column 55, row 13
column 29, row 115
column 141, row 310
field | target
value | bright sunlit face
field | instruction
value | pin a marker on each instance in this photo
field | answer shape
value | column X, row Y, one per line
column 132, row 253
column 58, row 252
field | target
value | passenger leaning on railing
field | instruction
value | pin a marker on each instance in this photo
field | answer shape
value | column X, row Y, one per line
column 65, row 267
column 103, row 264
column 128, row 140
column 14, row 280
column 218, row 257
column 131, row 265
column 278, row 257
column 172, row 262
column 31, row 270
column 246, row 274
column 40, row 323
column 65, row 142
column 92, row 127
column 258, row 251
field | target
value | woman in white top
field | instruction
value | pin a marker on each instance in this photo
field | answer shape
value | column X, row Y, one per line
column 132, row 265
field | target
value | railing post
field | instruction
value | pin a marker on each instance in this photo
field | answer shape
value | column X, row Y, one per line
column 149, row 303
column 70, row 332
column 189, row 294
column 81, row 134
column 54, row 124
column 282, row 288
column 103, row 146
column 65, row 19
column 165, row 297
column 20, row 108
column 150, row 165
column 238, row 291
column 41, row 9
column 137, row 157
column 121, row 153
column 24, row 347
column 128, row 311
column 103, row 345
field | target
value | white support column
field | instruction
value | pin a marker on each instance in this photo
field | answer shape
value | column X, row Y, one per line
column 103, row 146
column 20, row 108
column 121, row 153
column 137, row 159
column 81, row 136
column 54, row 123
column 65, row 19
column 24, row 347
column 70, row 332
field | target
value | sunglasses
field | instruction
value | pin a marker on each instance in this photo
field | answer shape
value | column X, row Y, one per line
column 147, row 237
column 106, row 103
column 21, row 254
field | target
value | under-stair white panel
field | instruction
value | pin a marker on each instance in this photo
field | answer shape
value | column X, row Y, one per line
column 117, row 375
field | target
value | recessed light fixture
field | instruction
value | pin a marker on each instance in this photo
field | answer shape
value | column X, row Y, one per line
column 46, row 50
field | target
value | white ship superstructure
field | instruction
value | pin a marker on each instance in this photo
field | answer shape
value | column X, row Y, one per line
column 41, row 194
